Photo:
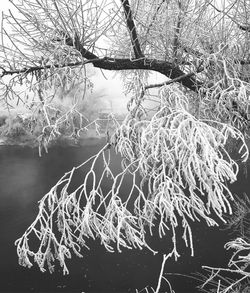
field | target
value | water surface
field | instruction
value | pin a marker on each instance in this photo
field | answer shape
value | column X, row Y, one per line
column 25, row 178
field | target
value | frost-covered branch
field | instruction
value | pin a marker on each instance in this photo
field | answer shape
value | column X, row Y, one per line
column 182, row 164
column 237, row 266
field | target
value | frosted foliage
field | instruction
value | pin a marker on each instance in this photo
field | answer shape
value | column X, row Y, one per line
column 178, row 170
column 238, row 265
column 235, row 277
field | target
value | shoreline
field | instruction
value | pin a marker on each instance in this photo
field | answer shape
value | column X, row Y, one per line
column 90, row 138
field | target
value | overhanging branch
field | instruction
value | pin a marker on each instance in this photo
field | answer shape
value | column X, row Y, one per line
column 116, row 64
column 161, row 66
column 164, row 67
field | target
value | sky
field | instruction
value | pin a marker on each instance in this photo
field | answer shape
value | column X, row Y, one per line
column 5, row 5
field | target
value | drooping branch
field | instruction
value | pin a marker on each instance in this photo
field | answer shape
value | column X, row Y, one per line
column 132, row 29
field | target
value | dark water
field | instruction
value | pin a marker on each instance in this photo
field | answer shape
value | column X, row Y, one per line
column 25, row 178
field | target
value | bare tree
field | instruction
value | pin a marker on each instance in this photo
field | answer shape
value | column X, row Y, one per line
column 174, row 140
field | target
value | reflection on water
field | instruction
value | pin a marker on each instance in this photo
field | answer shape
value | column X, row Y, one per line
column 25, row 178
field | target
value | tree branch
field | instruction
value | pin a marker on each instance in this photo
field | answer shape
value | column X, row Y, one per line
column 132, row 29
column 161, row 66
column 177, row 79
column 164, row 67
column 245, row 28
column 31, row 69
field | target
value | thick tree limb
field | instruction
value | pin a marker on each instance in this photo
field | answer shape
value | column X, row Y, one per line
column 164, row 67
column 132, row 29
column 116, row 64
column 245, row 28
